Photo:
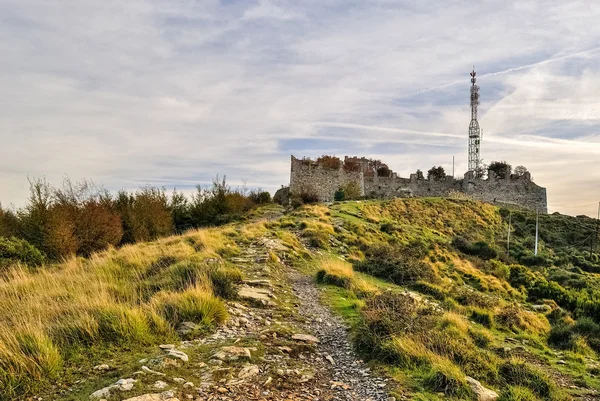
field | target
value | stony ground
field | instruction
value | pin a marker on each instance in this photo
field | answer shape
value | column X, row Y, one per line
column 280, row 344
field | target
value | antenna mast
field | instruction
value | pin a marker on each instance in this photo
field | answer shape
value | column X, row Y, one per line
column 474, row 131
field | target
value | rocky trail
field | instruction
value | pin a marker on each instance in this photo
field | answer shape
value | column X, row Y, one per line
column 280, row 344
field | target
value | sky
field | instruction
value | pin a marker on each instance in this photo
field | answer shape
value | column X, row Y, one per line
column 172, row 93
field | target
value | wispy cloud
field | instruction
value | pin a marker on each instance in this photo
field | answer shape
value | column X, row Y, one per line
column 172, row 93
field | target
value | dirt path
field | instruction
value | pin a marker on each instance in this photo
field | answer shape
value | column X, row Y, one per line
column 347, row 370
column 280, row 344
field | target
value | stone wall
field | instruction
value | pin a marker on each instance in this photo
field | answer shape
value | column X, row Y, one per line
column 309, row 176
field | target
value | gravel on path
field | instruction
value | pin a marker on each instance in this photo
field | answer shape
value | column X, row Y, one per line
column 349, row 373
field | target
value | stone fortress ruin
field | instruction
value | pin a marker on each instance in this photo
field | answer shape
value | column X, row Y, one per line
column 321, row 179
column 324, row 179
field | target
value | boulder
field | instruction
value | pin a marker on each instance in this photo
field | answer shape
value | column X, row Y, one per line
column 481, row 393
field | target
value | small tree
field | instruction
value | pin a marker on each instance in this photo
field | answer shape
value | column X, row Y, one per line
column 330, row 162
column 420, row 175
column 520, row 171
column 436, row 173
column 500, row 169
column 352, row 190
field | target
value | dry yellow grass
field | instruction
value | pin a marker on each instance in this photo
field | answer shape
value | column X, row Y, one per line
column 104, row 299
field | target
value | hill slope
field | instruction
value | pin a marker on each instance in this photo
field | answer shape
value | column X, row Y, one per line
column 426, row 288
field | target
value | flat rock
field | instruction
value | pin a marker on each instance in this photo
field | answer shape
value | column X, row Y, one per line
column 103, row 367
column 176, row 354
column 232, row 353
column 103, row 392
column 248, row 371
column 260, row 295
column 146, row 369
column 307, row 338
column 482, row 393
column 166, row 347
column 164, row 396
column 259, row 283
column 187, row 327
column 160, row 385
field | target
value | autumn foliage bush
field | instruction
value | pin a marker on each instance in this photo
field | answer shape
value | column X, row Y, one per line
column 80, row 219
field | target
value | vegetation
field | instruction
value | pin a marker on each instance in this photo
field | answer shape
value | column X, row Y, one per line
column 436, row 173
column 80, row 219
column 430, row 288
column 130, row 297
column 500, row 169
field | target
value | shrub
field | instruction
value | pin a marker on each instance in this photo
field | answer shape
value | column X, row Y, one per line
column 436, row 173
column 427, row 288
column 194, row 304
column 481, row 338
column 500, row 169
column 395, row 264
column 483, row 317
column 514, row 318
column 308, row 196
column 329, row 162
column 335, row 272
column 18, row 250
column 225, row 280
column 260, row 197
column 317, row 234
column 519, row 373
column 560, row 335
column 339, row 195
column 517, row 393
column 352, row 190
column 386, row 316
column 480, row 249
column 446, row 377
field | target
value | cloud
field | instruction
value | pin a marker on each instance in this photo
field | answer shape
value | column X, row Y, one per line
column 172, row 93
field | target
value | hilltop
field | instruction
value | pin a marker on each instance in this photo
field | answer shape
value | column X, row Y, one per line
column 419, row 299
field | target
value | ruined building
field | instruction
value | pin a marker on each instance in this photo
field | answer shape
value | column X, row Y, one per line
column 323, row 181
column 324, row 177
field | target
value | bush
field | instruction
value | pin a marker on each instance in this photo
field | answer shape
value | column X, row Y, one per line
column 483, row 317
column 330, row 162
column 352, row 190
column 481, row 338
column 260, row 197
column 336, row 272
column 480, row 249
column 517, row 393
column 436, row 173
column 18, row 250
column 339, row 195
column 517, row 372
column 397, row 265
column 446, row 377
column 193, row 304
column 308, row 196
column 225, row 281
column 514, row 318
column 388, row 315
column 317, row 234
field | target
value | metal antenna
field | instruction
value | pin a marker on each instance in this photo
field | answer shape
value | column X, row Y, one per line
column 474, row 131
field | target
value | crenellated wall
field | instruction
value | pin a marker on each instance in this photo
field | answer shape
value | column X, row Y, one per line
column 310, row 176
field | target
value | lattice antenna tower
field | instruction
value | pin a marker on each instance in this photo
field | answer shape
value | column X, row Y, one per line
column 474, row 131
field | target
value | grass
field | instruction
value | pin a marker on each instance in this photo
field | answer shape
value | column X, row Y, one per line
column 130, row 297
